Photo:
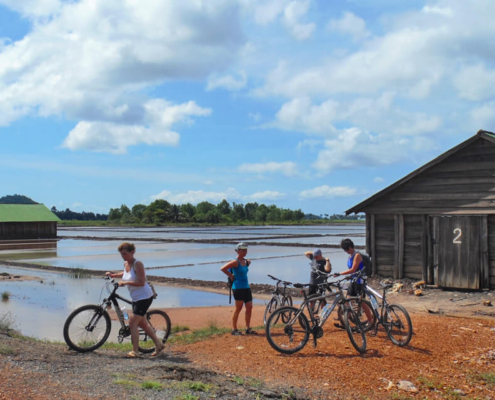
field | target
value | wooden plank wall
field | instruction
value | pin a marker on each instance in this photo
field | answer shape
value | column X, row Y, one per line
column 413, row 253
column 491, row 249
column 28, row 230
column 385, row 258
column 461, row 184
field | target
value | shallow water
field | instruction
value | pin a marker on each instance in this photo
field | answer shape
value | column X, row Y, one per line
column 34, row 303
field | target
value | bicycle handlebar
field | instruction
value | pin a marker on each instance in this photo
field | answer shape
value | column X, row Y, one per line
column 286, row 283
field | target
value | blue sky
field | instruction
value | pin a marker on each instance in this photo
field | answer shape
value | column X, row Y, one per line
column 304, row 104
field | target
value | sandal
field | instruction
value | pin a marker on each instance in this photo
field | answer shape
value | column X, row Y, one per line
column 249, row 331
column 235, row 332
column 133, row 354
column 158, row 351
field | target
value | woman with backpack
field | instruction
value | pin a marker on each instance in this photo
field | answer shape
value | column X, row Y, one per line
column 354, row 264
column 237, row 271
column 134, row 277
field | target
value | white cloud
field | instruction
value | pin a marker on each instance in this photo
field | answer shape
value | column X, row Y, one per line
column 287, row 168
column 378, row 179
column 475, row 82
column 266, row 195
column 90, row 60
column 293, row 13
column 349, row 24
column 197, row 196
column 116, row 138
column 483, row 117
column 443, row 11
column 33, row 8
column 228, row 82
column 374, row 114
column 328, row 192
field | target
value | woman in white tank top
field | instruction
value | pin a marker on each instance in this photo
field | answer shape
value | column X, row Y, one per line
column 134, row 277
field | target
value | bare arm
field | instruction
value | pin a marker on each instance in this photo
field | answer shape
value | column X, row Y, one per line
column 117, row 275
column 308, row 254
column 328, row 265
column 355, row 265
column 226, row 267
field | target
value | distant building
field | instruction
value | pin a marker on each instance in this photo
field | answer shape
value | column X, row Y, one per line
column 438, row 222
column 27, row 221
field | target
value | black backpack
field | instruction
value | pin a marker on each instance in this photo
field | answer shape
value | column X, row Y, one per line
column 368, row 269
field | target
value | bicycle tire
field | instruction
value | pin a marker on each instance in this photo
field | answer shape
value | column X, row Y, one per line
column 366, row 324
column 354, row 330
column 398, row 327
column 160, row 322
column 270, row 308
column 286, row 302
column 281, row 336
column 76, row 333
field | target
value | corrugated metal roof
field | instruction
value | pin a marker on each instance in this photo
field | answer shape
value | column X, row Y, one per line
column 26, row 213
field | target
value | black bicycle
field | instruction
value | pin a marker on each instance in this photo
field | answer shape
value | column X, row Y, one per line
column 293, row 333
column 280, row 298
column 393, row 317
column 89, row 326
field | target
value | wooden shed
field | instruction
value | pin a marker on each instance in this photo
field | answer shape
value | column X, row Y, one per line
column 438, row 222
column 27, row 221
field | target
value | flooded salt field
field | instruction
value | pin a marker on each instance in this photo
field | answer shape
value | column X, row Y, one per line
column 32, row 303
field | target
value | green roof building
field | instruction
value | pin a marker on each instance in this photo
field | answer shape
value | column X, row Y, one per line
column 27, row 221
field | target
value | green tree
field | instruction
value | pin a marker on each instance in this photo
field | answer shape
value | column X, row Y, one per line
column 249, row 210
column 124, row 210
column 237, row 212
column 138, row 211
column 261, row 213
column 224, row 207
column 204, row 207
column 188, row 210
column 176, row 213
column 114, row 214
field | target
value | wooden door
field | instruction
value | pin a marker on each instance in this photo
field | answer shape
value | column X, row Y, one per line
column 457, row 251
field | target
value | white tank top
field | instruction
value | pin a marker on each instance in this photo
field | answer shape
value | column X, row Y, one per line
column 137, row 292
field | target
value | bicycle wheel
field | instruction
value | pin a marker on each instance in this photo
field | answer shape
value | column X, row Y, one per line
column 398, row 325
column 365, row 313
column 355, row 330
column 270, row 308
column 87, row 328
column 287, row 338
column 160, row 322
column 286, row 302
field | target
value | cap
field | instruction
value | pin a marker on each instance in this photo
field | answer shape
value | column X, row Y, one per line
column 317, row 252
column 241, row 246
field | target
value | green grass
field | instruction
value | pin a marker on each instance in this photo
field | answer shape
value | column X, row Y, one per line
column 179, row 328
column 199, row 335
column 6, row 322
column 153, row 385
column 6, row 295
column 257, row 383
column 238, row 380
column 186, row 397
column 79, row 273
column 488, row 378
column 200, row 387
column 6, row 350
column 126, row 383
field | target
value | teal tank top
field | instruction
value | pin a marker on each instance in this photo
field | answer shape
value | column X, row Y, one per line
column 240, row 274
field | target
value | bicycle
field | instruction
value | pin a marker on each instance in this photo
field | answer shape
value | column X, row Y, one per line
column 280, row 298
column 291, row 336
column 393, row 317
column 89, row 326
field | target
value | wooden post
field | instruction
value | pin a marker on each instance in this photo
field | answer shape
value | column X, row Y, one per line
column 424, row 247
column 368, row 234
column 374, row 260
column 485, row 262
column 399, row 245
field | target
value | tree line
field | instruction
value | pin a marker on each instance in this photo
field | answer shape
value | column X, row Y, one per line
column 68, row 215
column 161, row 211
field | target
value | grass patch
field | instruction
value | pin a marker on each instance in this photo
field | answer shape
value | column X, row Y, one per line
column 238, row 380
column 431, row 384
column 200, row 387
column 126, row 383
column 179, row 328
column 257, row 383
column 6, row 350
column 199, row 335
column 6, row 295
column 186, row 397
column 153, row 385
column 6, row 322
column 488, row 378
column 79, row 273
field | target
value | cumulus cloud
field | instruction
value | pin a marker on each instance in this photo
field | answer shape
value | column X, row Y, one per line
column 293, row 13
column 349, row 24
column 378, row 179
column 375, row 114
column 197, row 196
column 33, row 8
column 160, row 116
column 287, row 168
column 484, row 116
column 228, row 82
column 475, row 82
column 90, row 61
column 264, row 196
column 328, row 192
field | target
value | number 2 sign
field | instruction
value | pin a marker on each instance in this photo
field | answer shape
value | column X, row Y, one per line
column 457, row 232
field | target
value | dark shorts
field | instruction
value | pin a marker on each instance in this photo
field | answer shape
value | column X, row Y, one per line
column 312, row 290
column 140, row 307
column 355, row 289
column 244, row 295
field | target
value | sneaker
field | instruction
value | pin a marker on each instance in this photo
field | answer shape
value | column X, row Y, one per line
column 337, row 325
column 235, row 332
column 249, row 331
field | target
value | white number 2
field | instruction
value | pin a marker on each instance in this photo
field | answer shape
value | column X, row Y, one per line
column 459, row 233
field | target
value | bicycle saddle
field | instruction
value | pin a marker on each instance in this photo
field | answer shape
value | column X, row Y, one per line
column 386, row 285
column 301, row 285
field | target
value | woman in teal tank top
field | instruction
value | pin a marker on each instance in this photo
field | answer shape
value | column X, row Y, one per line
column 237, row 271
